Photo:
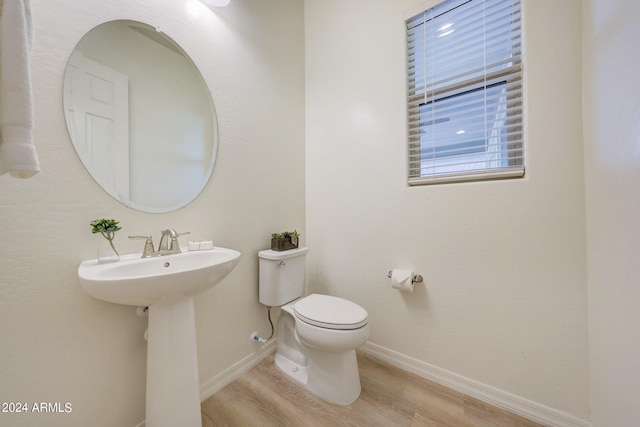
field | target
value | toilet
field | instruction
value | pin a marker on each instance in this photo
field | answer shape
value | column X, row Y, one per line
column 318, row 334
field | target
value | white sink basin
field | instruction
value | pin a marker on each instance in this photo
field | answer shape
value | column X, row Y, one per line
column 167, row 285
column 143, row 281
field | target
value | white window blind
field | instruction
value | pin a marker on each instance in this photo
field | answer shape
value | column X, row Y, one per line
column 465, row 97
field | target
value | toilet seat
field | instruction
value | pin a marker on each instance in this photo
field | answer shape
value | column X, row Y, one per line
column 330, row 312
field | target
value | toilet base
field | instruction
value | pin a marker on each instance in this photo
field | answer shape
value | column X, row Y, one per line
column 295, row 372
column 338, row 386
column 330, row 375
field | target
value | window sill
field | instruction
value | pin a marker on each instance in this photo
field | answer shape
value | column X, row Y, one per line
column 471, row 176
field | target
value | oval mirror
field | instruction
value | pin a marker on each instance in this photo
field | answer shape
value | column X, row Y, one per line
column 140, row 116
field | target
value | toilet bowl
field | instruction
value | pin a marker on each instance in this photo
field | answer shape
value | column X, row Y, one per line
column 318, row 334
column 317, row 339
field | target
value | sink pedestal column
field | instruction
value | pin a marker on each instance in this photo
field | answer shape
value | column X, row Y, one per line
column 173, row 386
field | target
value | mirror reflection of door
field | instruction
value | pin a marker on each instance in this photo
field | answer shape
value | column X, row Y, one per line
column 171, row 132
column 96, row 103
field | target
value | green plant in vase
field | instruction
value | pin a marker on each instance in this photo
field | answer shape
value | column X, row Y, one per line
column 108, row 228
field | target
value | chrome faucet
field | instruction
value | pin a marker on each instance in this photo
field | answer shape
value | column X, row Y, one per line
column 168, row 243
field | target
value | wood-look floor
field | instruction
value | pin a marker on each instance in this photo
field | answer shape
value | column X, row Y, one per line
column 390, row 397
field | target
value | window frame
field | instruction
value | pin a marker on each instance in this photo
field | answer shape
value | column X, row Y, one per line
column 511, row 76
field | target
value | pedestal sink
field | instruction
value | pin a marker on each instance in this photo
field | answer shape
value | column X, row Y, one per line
column 167, row 285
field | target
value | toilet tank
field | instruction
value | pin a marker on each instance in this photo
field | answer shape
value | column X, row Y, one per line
column 281, row 277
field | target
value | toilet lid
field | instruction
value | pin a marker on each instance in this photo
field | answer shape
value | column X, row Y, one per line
column 330, row 312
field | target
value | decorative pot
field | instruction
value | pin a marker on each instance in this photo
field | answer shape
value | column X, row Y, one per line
column 284, row 244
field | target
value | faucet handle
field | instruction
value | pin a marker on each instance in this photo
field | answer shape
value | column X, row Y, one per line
column 148, row 245
column 174, row 244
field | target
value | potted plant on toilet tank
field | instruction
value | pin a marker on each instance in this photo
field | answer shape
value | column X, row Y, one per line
column 107, row 227
column 285, row 240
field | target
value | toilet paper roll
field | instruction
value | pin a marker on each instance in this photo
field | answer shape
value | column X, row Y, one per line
column 402, row 280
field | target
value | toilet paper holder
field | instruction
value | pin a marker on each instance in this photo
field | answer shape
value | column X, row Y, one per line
column 416, row 278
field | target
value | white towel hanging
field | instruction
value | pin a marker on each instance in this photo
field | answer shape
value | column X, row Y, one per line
column 17, row 152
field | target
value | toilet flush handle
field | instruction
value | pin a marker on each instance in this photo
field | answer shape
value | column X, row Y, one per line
column 282, row 264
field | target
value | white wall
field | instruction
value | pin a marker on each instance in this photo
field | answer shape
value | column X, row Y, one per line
column 505, row 300
column 612, row 170
column 57, row 343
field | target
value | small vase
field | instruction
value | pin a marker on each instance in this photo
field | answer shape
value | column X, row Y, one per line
column 284, row 244
column 106, row 253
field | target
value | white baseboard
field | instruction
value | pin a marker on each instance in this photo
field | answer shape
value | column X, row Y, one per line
column 518, row 405
column 226, row 377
